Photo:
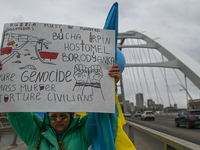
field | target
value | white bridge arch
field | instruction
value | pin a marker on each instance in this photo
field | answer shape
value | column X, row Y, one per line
column 175, row 58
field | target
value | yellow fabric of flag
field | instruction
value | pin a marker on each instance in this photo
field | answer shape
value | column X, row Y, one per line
column 122, row 141
column 81, row 114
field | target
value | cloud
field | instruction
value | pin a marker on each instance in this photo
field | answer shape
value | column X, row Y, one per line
column 176, row 22
column 17, row 18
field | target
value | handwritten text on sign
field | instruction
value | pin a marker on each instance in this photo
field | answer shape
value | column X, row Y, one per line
column 50, row 67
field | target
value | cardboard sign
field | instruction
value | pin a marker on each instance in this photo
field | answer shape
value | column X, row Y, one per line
column 56, row 68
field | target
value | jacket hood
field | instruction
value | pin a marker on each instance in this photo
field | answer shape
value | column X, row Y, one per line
column 76, row 123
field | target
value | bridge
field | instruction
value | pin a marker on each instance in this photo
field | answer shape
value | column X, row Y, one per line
column 154, row 69
column 157, row 70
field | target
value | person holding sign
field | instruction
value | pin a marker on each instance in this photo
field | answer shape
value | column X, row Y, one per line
column 57, row 130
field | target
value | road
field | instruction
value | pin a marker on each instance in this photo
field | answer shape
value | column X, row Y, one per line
column 166, row 125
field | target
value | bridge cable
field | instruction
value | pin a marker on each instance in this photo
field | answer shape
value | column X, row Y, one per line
column 131, row 74
column 130, row 86
column 134, row 73
column 164, row 78
column 138, row 72
column 178, row 78
column 155, row 85
column 128, row 72
column 161, row 73
column 151, row 71
column 148, row 89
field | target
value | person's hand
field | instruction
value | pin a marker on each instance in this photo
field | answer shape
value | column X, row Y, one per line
column 95, row 73
column 115, row 72
column 80, row 73
column 0, row 65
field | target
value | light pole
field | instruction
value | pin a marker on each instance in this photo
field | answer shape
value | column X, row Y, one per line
column 123, row 97
column 187, row 94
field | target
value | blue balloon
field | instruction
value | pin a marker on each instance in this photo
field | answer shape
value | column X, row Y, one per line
column 120, row 60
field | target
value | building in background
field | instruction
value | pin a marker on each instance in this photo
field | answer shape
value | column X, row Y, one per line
column 159, row 107
column 153, row 106
column 150, row 104
column 127, row 106
column 121, row 101
column 175, row 106
column 139, row 102
column 194, row 104
column 132, row 108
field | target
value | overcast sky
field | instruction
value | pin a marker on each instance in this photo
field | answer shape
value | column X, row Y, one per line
column 175, row 21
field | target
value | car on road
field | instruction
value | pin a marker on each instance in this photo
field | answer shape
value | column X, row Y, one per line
column 127, row 114
column 147, row 115
column 189, row 118
column 137, row 114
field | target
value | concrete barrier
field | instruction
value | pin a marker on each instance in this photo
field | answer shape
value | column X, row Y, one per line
column 165, row 116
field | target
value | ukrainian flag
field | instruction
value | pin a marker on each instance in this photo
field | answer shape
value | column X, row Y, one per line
column 112, row 137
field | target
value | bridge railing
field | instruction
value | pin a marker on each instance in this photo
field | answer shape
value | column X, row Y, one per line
column 8, row 137
column 170, row 142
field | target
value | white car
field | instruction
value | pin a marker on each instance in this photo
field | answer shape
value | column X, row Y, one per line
column 147, row 115
column 137, row 114
column 127, row 114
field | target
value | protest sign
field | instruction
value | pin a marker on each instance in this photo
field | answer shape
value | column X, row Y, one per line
column 54, row 67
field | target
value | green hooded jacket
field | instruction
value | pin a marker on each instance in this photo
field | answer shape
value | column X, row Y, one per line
column 28, row 126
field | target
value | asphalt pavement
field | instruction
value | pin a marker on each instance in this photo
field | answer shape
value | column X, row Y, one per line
column 22, row 146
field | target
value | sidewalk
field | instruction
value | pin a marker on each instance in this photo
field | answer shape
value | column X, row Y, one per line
column 20, row 146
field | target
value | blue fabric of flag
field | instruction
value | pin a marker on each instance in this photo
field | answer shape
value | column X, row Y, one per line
column 41, row 114
column 105, row 139
column 112, row 23
column 106, row 130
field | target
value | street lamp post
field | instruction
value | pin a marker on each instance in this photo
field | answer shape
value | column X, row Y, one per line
column 187, row 95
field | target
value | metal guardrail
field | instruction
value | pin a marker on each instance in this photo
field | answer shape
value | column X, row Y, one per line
column 167, row 115
column 170, row 142
column 8, row 137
